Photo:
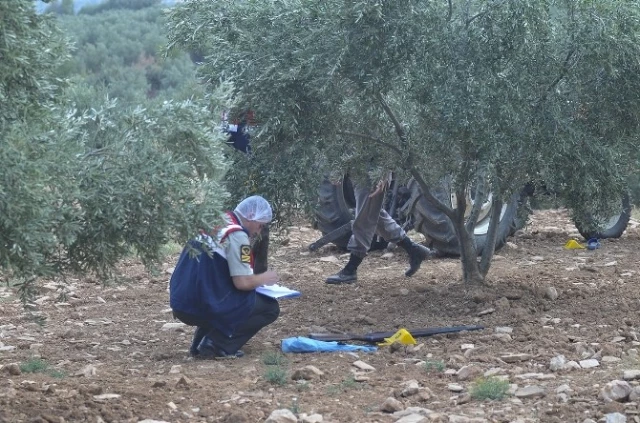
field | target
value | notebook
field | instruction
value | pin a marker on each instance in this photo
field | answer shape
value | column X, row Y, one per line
column 277, row 291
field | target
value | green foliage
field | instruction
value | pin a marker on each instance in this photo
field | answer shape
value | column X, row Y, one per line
column 295, row 406
column 37, row 365
column 81, row 189
column 118, row 51
column 276, row 375
column 509, row 93
column 302, row 386
column 489, row 388
column 34, row 365
column 118, row 4
column 434, row 366
column 348, row 383
column 274, row 358
column 31, row 48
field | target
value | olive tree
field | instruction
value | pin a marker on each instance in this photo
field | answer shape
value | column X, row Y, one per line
column 483, row 95
column 81, row 189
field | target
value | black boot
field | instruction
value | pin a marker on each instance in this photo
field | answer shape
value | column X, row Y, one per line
column 348, row 274
column 208, row 350
column 417, row 254
column 197, row 338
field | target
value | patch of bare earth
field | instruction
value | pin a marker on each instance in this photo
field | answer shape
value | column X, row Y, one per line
column 111, row 358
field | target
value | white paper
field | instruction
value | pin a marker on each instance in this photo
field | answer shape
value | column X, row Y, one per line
column 277, row 291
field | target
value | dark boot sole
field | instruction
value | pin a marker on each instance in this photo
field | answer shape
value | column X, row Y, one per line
column 340, row 281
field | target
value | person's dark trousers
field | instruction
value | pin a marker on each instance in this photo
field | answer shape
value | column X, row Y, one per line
column 265, row 312
column 260, row 251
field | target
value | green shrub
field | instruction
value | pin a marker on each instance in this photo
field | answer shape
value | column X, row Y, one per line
column 34, row 365
column 489, row 388
column 434, row 366
column 274, row 358
column 276, row 375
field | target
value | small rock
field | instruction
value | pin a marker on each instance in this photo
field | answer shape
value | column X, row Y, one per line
column 463, row 399
column 363, row 366
column 589, row 364
column 616, row 390
column 486, row 311
column 464, row 419
column 468, row 372
column 87, row 371
column 494, row 371
column 172, row 325
column 92, row 389
column 557, row 363
column 514, row 358
column 391, row 405
column 551, row 293
column 572, row 365
column 102, row 397
column 413, row 418
column 631, row 374
column 312, row 418
column 455, row 387
column 412, row 388
column 13, row 369
column 357, row 377
column 531, row 391
column 504, row 329
column 281, row 416
column 307, row 373
column 615, row 418
column 184, row 382
column 635, row 394
column 330, row 259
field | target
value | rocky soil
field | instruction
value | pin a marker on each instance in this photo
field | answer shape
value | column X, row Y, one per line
column 560, row 342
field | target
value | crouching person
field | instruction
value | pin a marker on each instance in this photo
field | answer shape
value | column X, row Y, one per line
column 213, row 284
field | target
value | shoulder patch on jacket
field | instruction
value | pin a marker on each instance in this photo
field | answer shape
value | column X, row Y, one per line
column 245, row 253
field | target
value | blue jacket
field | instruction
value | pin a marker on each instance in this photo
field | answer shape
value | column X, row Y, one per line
column 202, row 286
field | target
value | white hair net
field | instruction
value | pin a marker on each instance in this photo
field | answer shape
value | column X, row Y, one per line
column 255, row 208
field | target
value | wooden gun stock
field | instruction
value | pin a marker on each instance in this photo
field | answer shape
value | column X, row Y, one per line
column 374, row 337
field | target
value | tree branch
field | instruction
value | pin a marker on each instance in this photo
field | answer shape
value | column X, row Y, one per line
column 479, row 14
column 563, row 72
column 492, row 232
column 478, row 201
column 396, row 123
column 374, row 139
column 426, row 192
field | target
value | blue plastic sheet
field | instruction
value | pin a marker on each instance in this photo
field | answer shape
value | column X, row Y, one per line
column 300, row 344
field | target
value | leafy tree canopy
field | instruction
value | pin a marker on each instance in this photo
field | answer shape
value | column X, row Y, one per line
column 119, row 51
column 81, row 189
column 501, row 92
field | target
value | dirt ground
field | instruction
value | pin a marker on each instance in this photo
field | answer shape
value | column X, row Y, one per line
column 104, row 354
